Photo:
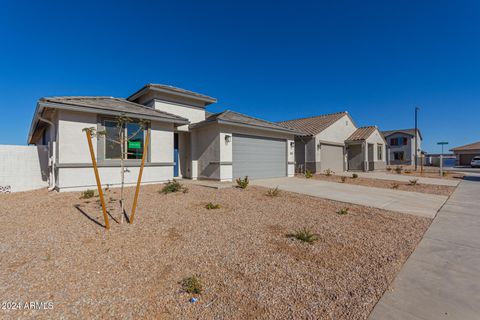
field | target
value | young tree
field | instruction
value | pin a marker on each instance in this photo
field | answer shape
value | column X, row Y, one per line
column 122, row 139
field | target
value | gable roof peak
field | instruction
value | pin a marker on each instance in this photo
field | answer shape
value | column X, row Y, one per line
column 314, row 125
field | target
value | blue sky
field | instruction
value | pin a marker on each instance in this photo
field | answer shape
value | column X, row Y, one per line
column 276, row 60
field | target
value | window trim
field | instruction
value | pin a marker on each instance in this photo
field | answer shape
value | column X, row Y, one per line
column 101, row 143
column 379, row 152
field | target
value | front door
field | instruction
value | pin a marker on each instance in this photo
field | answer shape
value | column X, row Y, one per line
column 175, row 154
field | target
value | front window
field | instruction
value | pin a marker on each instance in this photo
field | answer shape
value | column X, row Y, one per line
column 133, row 146
column 112, row 149
column 379, row 152
column 135, row 142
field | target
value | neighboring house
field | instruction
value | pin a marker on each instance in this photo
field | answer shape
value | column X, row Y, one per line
column 329, row 143
column 401, row 146
column 186, row 141
column 366, row 150
column 466, row 153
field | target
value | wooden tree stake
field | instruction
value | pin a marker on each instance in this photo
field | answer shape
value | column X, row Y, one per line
column 139, row 181
column 97, row 177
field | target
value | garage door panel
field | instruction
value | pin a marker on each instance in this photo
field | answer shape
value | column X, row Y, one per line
column 331, row 157
column 259, row 157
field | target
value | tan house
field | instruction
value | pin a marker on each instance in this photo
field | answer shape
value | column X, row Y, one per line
column 333, row 142
column 466, row 153
column 186, row 141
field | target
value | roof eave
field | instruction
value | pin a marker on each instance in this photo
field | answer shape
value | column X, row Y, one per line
column 146, row 88
column 245, row 125
column 60, row 106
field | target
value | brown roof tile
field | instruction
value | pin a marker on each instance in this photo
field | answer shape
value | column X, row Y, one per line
column 101, row 104
column 362, row 133
column 471, row 146
column 233, row 117
column 313, row 125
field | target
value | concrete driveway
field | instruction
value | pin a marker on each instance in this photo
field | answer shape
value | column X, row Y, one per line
column 420, row 204
column 402, row 178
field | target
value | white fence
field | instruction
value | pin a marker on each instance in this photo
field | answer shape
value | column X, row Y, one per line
column 23, row 168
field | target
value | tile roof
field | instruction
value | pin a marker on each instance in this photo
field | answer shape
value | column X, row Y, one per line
column 107, row 105
column 362, row 133
column 313, row 125
column 467, row 147
column 406, row 131
column 233, row 117
column 171, row 89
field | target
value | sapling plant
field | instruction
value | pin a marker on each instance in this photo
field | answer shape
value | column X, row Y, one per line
column 122, row 138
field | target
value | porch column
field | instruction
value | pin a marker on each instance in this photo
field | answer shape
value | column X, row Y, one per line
column 365, row 156
column 193, row 155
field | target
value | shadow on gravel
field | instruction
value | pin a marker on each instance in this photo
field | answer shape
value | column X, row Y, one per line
column 89, row 217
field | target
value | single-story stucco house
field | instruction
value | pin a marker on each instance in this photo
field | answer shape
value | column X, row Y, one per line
column 465, row 154
column 185, row 140
column 401, row 146
column 333, row 142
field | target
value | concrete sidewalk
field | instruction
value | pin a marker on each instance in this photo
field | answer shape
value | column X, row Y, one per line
column 402, row 178
column 420, row 204
column 441, row 279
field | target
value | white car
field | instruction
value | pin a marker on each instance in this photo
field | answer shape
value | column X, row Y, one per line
column 475, row 162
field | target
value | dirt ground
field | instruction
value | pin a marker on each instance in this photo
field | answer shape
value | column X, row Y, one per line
column 53, row 252
column 389, row 184
column 428, row 172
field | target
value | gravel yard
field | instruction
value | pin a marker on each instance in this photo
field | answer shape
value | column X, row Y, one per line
column 428, row 172
column 389, row 184
column 249, row 268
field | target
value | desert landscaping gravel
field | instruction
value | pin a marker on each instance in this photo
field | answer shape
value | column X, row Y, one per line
column 428, row 172
column 248, row 267
column 389, row 184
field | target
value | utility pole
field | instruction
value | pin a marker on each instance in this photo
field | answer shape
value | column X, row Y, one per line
column 416, row 137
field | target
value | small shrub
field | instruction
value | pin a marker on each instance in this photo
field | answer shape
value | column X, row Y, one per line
column 343, row 211
column 395, row 185
column 192, row 285
column 444, row 173
column 308, row 174
column 408, row 171
column 211, row 206
column 242, row 183
column 398, row 169
column 343, row 179
column 172, row 186
column 273, row 192
column 354, row 176
column 303, row 235
column 328, row 172
column 413, row 182
column 389, row 169
column 185, row 190
column 87, row 194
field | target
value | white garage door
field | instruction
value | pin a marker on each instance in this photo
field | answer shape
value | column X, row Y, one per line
column 259, row 157
column 331, row 157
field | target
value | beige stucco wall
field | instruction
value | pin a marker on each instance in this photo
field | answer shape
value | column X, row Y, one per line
column 192, row 113
column 72, row 144
column 336, row 133
column 74, row 170
column 213, row 156
column 205, row 150
column 377, row 139
column 76, row 179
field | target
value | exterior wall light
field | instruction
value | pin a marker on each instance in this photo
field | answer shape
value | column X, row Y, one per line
column 292, row 144
column 228, row 138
